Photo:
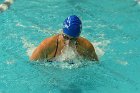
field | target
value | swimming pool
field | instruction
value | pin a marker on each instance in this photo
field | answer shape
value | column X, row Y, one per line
column 112, row 26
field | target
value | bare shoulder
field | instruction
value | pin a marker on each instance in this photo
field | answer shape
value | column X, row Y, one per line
column 42, row 50
column 88, row 48
column 49, row 41
column 84, row 42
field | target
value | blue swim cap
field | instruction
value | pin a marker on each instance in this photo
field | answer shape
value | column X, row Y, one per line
column 72, row 26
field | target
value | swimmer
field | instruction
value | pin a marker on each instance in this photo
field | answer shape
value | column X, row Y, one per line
column 52, row 47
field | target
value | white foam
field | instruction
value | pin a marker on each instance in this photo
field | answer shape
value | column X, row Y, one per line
column 28, row 45
column 67, row 54
column 33, row 26
column 9, row 62
column 100, row 47
column 101, row 25
column 69, row 58
column 87, row 21
column 19, row 24
column 87, row 26
column 70, row 66
column 122, row 62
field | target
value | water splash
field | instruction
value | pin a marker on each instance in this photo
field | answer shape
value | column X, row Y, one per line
column 68, row 53
column 28, row 45
column 69, row 58
column 124, row 63
column 100, row 47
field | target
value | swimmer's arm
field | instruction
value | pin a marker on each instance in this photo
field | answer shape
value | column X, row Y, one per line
column 39, row 53
column 92, row 54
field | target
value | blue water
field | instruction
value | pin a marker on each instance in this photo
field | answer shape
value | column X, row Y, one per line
column 112, row 26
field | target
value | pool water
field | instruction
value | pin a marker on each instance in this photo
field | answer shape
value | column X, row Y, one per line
column 112, row 27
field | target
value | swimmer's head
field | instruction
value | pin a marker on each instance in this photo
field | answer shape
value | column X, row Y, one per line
column 72, row 26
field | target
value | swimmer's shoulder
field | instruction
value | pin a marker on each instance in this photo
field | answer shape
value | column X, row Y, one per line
column 50, row 40
column 83, row 41
column 90, row 50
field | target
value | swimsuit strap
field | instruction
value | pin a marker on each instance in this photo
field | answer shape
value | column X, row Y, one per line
column 56, row 47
